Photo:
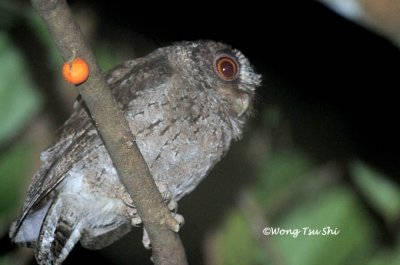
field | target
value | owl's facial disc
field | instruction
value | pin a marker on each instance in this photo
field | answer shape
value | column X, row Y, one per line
column 227, row 69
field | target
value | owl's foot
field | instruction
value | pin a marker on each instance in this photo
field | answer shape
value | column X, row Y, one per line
column 177, row 224
column 131, row 208
column 136, row 221
column 174, row 223
column 178, row 221
column 172, row 205
column 133, row 214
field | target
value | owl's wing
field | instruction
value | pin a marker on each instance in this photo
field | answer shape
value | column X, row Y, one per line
column 59, row 159
column 79, row 135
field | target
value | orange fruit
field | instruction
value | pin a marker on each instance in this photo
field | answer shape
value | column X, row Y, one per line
column 76, row 71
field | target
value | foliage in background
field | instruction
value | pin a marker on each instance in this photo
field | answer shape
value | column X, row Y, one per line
column 295, row 194
column 18, row 100
column 21, row 102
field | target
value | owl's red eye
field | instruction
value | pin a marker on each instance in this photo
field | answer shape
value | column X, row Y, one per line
column 226, row 68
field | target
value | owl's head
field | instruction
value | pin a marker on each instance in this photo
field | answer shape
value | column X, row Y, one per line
column 222, row 72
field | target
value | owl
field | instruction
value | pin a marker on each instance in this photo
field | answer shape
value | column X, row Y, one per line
column 185, row 104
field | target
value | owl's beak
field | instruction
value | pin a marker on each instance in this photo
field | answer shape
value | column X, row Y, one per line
column 243, row 104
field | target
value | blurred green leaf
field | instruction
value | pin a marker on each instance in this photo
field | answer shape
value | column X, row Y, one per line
column 382, row 193
column 18, row 101
column 237, row 245
column 336, row 208
column 345, row 234
column 106, row 56
column 386, row 257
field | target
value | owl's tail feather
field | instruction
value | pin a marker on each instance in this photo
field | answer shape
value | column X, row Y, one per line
column 25, row 231
column 59, row 234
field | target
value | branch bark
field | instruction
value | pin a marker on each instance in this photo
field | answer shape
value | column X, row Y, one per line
column 118, row 139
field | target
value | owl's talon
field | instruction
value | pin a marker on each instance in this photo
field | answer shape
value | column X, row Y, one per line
column 136, row 221
column 127, row 200
column 132, row 212
column 146, row 240
column 173, row 225
column 172, row 206
column 176, row 223
column 163, row 188
column 180, row 219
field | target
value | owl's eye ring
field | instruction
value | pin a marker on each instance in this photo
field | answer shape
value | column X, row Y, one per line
column 226, row 67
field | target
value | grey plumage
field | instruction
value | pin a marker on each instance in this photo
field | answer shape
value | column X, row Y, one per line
column 185, row 103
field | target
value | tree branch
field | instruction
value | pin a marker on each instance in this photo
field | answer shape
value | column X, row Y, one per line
column 118, row 139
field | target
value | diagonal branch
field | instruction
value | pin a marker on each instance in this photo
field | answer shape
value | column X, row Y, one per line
column 114, row 130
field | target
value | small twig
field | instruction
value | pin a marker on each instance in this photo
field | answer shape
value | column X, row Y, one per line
column 118, row 139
